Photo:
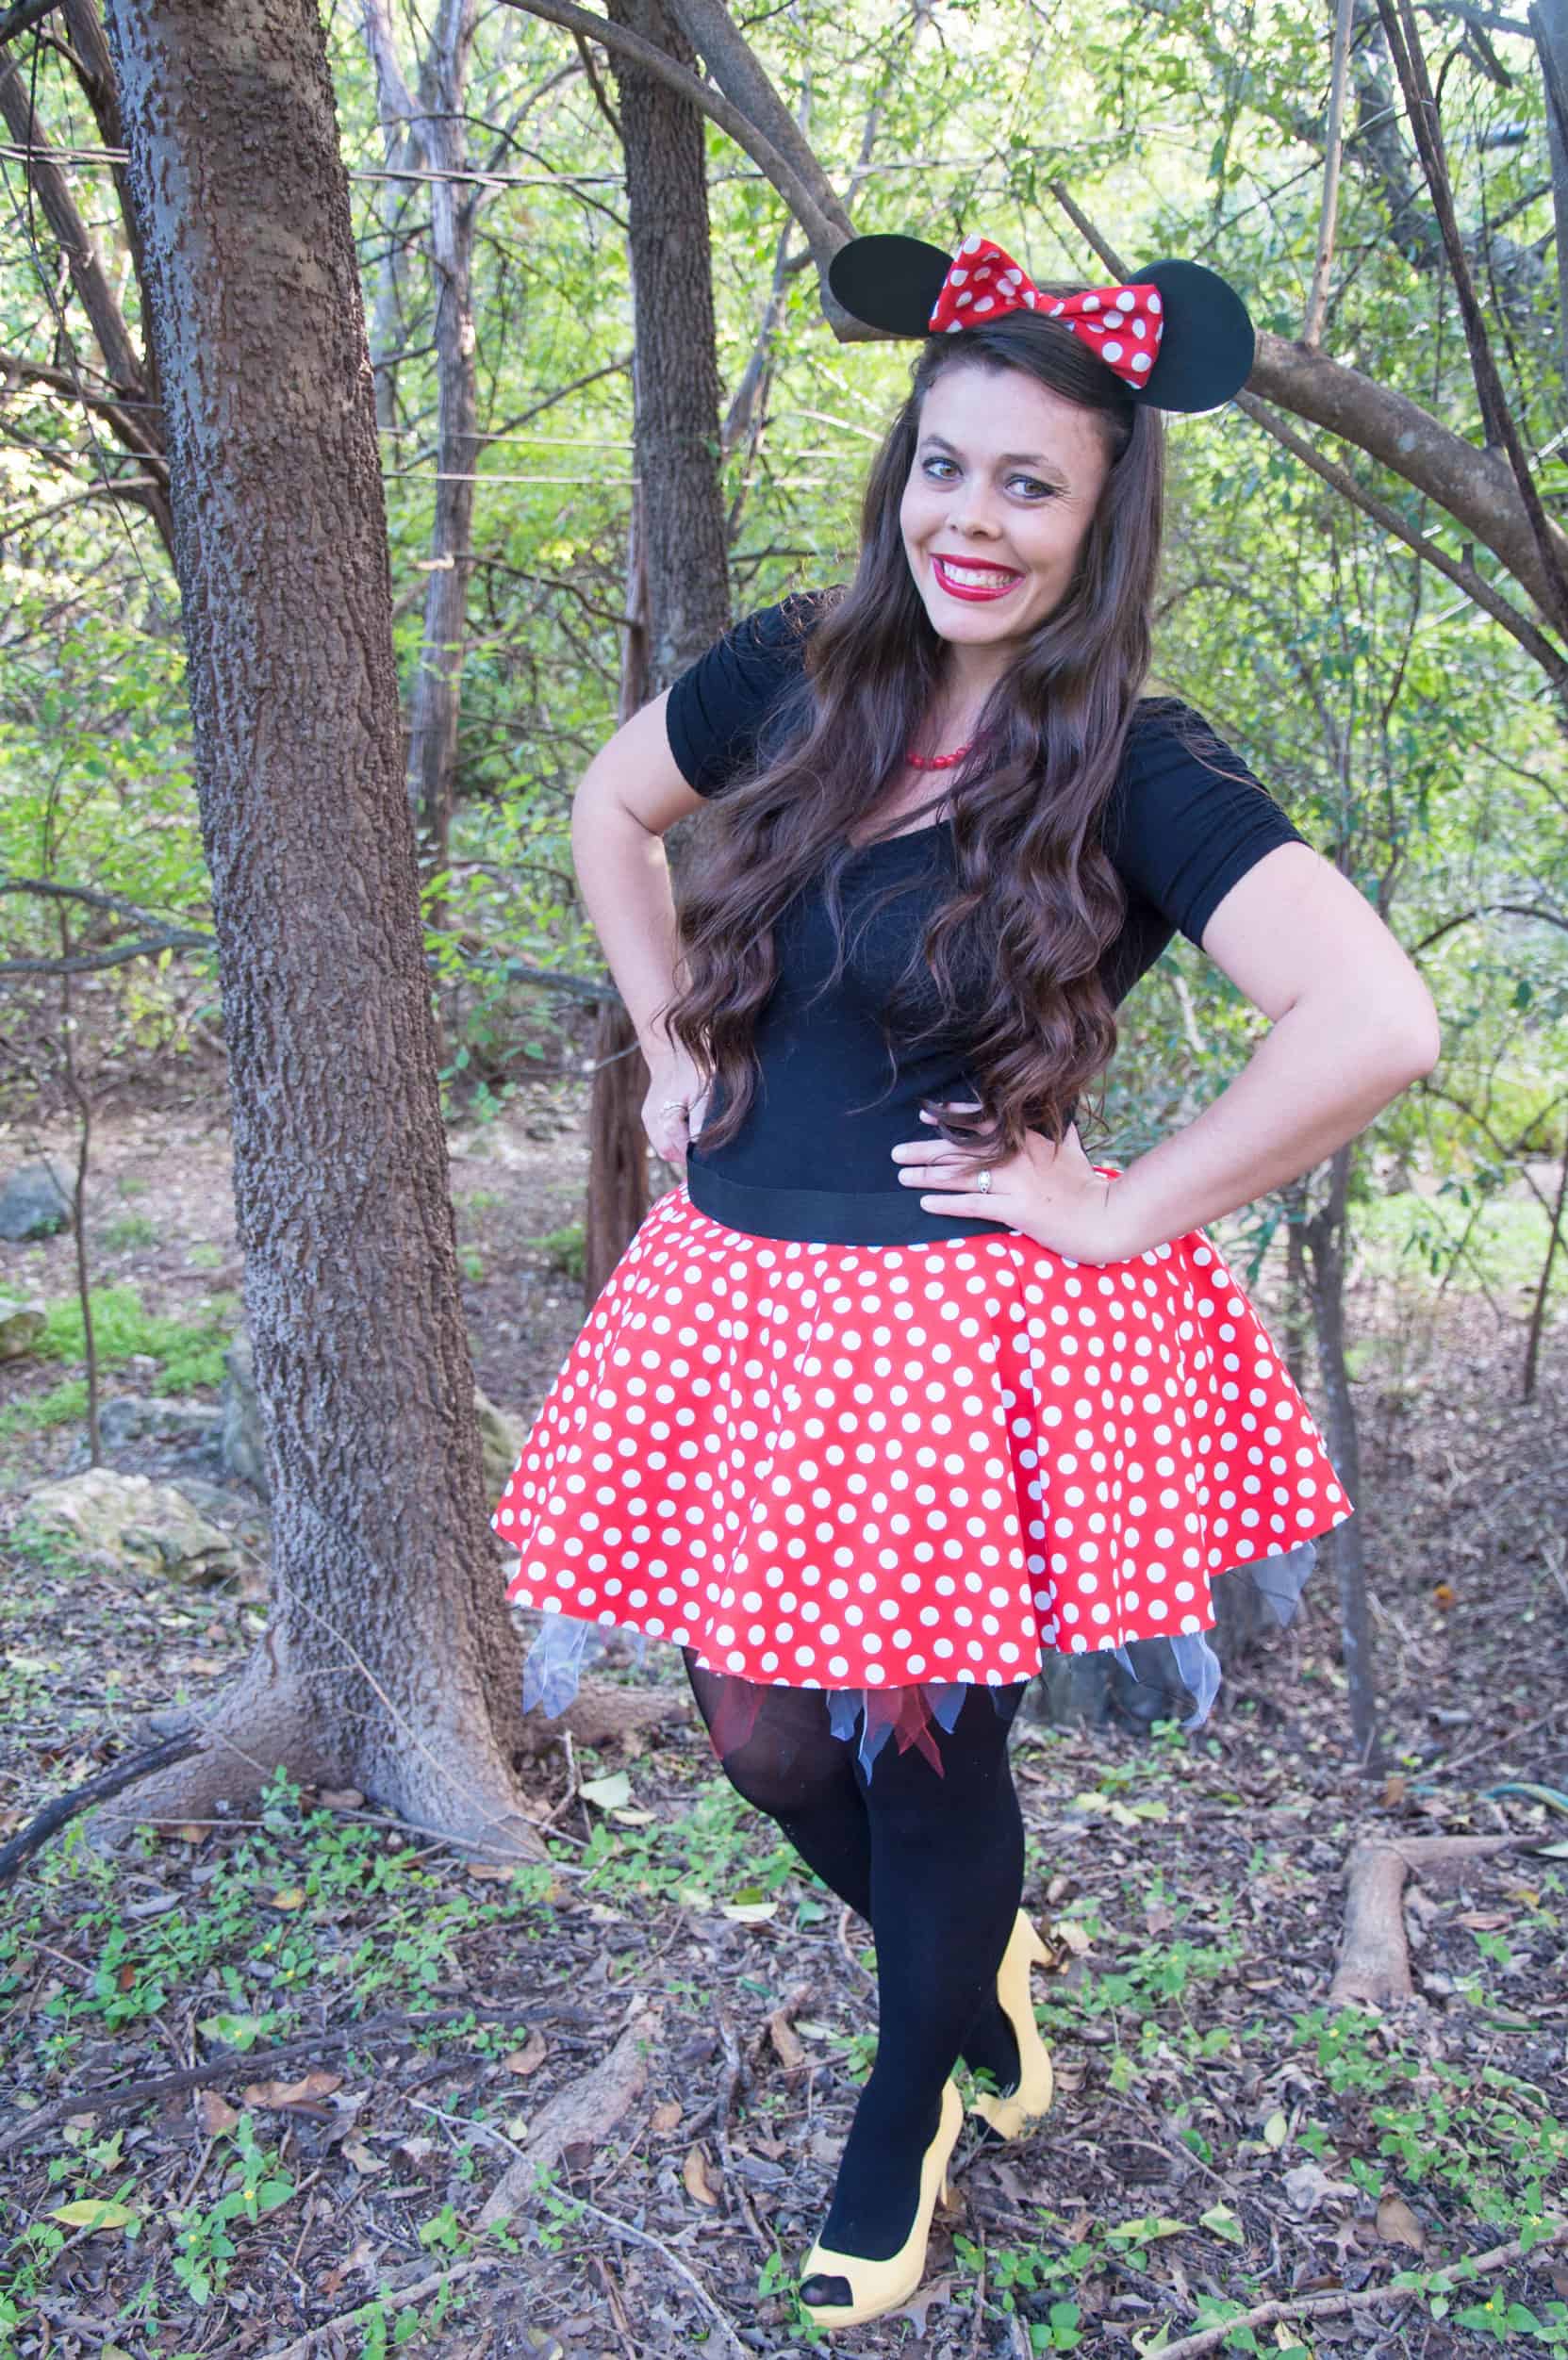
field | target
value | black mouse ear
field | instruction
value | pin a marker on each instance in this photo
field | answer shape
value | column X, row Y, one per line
column 889, row 282
column 1206, row 344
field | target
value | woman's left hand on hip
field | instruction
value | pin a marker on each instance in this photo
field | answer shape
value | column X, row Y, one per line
column 1052, row 1195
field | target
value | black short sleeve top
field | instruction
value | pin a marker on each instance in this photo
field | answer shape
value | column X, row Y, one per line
column 813, row 1157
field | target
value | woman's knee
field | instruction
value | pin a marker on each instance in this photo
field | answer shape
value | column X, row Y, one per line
column 786, row 1784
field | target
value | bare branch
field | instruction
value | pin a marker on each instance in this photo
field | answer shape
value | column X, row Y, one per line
column 26, row 13
column 145, row 490
column 1410, row 66
column 824, row 230
column 119, row 1774
column 1477, row 489
column 125, row 424
column 1317, row 301
column 1464, row 577
column 59, row 210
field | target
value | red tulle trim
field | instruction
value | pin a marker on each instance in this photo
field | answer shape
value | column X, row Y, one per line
column 866, row 1716
column 735, row 1716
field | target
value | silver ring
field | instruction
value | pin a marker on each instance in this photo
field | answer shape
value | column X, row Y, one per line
column 675, row 1106
column 983, row 1183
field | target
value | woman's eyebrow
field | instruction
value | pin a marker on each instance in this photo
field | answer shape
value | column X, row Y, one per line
column 1009, row 458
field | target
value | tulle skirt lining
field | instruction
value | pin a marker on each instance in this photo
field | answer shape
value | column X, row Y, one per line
column 915, row 1713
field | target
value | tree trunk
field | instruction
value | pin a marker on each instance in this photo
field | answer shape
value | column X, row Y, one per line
column 400, row 153
column 1324, row 1242
column 390, row 1662
column 432, row 131
column 1549, row 22
column 617, row 1143
column 435, row 704
column 679, row 549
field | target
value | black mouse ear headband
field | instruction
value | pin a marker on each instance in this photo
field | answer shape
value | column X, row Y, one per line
column 1177, row 334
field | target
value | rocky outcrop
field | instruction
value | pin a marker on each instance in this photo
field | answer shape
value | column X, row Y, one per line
column 130, row 1522
column 21, row 1325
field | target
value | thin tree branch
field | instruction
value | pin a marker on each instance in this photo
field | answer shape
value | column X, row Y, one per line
column 92, row 962
column 124, row 421
column 1447, row 2280
column 138, row 488
column 824, row 232
column 1317, row 301
column 1410, row 64
column 602, row 96
column 1464, row 577
column 1476, row 488
column 26, row 13
column 119, row 1774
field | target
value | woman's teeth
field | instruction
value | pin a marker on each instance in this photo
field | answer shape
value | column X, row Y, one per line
column 971, row 581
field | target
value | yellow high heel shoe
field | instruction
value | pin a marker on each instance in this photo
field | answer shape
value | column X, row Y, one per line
column 879, row 2286
column 1009, row 2115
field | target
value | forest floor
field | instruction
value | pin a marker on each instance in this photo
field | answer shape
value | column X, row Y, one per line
column 258, row 2078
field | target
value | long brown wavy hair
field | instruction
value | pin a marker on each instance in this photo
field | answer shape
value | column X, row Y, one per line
column 1014, row 950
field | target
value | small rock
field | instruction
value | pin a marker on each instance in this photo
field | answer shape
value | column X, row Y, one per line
column 245, row 1450
column 33, row 1204
column 136, row 1522
column 21, row 1325
column 132, row 1417
column 500, row 1439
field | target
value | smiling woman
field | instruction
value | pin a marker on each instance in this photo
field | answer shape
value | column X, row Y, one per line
column 896, row 1393
column 998, row 528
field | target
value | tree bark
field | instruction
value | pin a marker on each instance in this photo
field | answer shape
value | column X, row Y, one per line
column 1324, row 1234
column 677, row 560
column 390, row 1662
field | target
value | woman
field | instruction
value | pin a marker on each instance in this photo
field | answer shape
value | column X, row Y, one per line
column 871, row 1416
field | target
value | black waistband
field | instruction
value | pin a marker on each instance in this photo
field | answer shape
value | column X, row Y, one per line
column 828, row 1216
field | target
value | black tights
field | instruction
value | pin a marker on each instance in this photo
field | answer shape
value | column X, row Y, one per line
column 934, row 1862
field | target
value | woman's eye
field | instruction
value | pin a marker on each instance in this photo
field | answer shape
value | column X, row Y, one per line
column 1029, row 485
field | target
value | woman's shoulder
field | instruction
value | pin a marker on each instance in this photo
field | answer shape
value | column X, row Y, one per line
column 718, row 708
column 784, row 627
column 1169, row 741
column 1162, row 721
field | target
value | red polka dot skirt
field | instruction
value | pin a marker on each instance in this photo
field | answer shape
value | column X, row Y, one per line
column 866, row 1466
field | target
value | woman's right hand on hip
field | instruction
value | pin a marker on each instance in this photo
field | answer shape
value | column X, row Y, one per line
column 672, row 1111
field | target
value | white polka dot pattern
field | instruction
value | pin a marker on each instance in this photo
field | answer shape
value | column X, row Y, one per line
column 825, row 1465
column 1123, row 325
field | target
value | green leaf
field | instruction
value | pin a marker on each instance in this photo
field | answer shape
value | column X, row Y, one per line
column 236, row 2031
column 94, row 2212
column 1141, row 2231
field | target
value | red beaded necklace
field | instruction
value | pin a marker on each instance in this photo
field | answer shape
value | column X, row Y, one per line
column 938, row 761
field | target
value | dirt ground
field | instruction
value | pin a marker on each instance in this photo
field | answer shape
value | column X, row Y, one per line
column 683, row 2018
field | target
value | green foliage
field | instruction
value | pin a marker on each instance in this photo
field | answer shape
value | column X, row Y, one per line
column 189, row 1353
column 62, row 1404
column 131, row 1230
column 564, row 1247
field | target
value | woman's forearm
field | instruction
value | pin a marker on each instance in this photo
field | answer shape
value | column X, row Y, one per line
column 623, row 874
column 1319, row 1076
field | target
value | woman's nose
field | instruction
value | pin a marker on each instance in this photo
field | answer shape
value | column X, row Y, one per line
column 972, row 513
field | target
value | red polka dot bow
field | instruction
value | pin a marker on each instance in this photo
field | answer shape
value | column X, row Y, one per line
column 1123, row 325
